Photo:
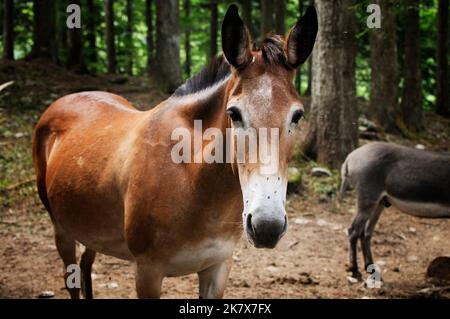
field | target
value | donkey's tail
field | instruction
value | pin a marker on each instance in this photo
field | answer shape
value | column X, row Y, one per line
column 345, row 180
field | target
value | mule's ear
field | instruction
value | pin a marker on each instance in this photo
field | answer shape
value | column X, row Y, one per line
column 235, row 39
column 301, row 38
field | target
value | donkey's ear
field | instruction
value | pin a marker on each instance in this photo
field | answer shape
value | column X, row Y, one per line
column 235, row 39
column 301, row 38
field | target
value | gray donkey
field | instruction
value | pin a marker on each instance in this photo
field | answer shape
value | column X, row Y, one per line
column 416, row 182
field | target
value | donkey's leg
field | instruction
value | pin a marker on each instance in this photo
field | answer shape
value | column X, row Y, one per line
column 87, row 259
column 366, row 207
column 353, row 258
column 367, row 235
column 66, row 247
column 148, row 281
column 213, row 280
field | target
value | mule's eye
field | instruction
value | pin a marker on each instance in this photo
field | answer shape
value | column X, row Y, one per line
column 297, row 116
column 234, row 113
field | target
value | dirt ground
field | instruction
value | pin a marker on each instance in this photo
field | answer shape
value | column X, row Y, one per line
column 309, row 262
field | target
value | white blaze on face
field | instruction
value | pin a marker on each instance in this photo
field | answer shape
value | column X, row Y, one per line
column 264, row 189
column 255, row 105
column 261, row 98
column 264, row 182
column 262, row 186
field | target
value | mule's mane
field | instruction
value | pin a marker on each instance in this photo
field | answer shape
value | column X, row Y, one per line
column 216, row 70
column 272, row 49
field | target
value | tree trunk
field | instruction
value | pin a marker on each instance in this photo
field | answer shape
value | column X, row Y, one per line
column 332, row 132
column 266, row 17
column 411, row 104
column 62, row 33
column 168, row 67
column 110, row 36
column 349, row 113
column 187, row 38
column 442, row 104
column 280, row 12
column 91, row 34
column 129, row 37
column 213, row 31
column 75, row 60
column 308, row 88
column 2, row 7
column 247, row 13
column 150, row 42
column 384, row 105
column 44, row 30
column 8, row 30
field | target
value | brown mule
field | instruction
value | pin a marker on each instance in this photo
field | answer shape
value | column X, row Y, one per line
column 106, row 172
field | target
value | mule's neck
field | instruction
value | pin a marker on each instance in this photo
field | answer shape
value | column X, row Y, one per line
column 209, row 106
column 217, row 184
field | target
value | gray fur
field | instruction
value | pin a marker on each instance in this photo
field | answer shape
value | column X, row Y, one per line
column 416, row 182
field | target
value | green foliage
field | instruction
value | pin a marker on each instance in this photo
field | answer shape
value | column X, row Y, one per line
column 199, row 26
column 325, row 187
column 428, row 40
column 23, row 28
column 15, row 157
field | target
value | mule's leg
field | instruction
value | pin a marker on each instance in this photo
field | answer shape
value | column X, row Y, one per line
column 148, row 281
column 213, row 280
column 87, row 259
column 367, row 235
column 66, row 247
column 366, row 207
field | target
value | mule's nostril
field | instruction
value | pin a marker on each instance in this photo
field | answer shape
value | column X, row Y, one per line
column 249, row 224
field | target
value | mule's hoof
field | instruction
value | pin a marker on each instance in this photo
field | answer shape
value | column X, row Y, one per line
column 355, row 274
column 352, row 280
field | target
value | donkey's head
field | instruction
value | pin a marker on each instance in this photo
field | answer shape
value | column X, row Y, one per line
column 264, row 110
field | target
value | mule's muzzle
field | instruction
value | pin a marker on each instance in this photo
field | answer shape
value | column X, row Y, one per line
column 265, row 230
